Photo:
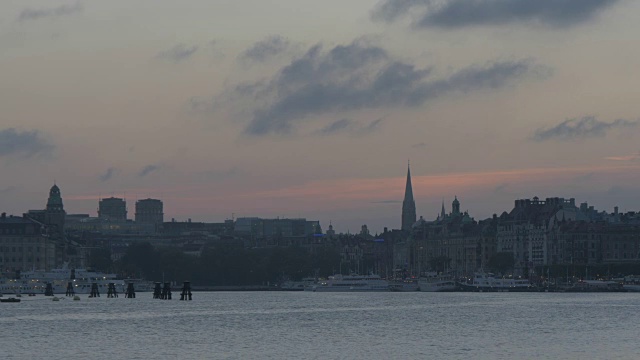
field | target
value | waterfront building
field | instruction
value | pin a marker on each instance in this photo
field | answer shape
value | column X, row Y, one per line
column 276, row 232
column 25, row 244
column 525, row 231
column 112, row 209
column 453, row 242
column 149, row 211
column 408, row 205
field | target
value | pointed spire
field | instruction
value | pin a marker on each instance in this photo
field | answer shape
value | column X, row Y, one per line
column 408, row 191
column 408, row 205
column 443, row 211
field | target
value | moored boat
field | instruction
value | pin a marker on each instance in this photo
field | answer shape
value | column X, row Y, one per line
column 437, row 283
column 487, row 282
column 352, row 283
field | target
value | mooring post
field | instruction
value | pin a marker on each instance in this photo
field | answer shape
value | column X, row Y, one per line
column 48, row 290
column 70, row 290
column 157, row 291
column 131, row 292
column 186, row 291
column 166, row 291
column 111, row 291
column 94, row 290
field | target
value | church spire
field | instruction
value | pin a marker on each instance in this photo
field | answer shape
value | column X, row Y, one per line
column 408, row 205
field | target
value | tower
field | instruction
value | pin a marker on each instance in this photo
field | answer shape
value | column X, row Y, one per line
column 455, row 207
column 54, row 213
column 408, row 205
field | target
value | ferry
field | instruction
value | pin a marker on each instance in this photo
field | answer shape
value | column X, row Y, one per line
column 352, row 283
column 305, row 284
column 487, row 282
column 35, row 281
column 406, row 285
column 437, row 283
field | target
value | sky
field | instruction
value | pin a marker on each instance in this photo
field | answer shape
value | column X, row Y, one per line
column 289, row 108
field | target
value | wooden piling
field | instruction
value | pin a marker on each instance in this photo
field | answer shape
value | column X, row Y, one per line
column 111, row 291
column 131, row 291
column 95, row 292
column 186, row 291
column 48, row 290
column 157, row 291
column 166, row 291
column 70, row 291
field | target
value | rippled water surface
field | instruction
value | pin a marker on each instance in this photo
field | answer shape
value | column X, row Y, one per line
column 305, row 325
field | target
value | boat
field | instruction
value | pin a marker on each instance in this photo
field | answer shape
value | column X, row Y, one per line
column 10, row 300
column 352, row 283
column 597, row 286
column 488, row 282
column 81, row 279
column 304, row 284
column 434, row 282
column 403, row 285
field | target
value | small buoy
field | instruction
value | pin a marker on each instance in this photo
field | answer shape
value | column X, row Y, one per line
column 76, row 298
column 55, row 298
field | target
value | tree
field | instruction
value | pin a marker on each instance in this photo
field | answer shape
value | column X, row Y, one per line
column 100, row 259
column 501, row 262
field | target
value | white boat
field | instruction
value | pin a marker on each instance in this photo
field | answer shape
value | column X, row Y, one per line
column 82, row 280
column 406, row 285
column 437, row 283
column 487, row 282
column 304, row 284
column 352, row 283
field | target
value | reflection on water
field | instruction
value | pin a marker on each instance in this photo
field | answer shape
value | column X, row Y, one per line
column 250, row 325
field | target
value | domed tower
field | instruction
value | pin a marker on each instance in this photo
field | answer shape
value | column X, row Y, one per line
column 54, row 213
column 408, row 205
column 455, row 207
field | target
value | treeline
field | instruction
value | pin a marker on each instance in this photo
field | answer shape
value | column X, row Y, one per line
column 221, row 265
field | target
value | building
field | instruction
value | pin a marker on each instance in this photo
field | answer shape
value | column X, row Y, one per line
column 149, row 211
column 276, row 232
column 408, row 205
column 112, row 209
column 25, row 244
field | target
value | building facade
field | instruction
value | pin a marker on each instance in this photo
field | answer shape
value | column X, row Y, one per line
column 25, row 244
column 112, row 209
column 149, row 211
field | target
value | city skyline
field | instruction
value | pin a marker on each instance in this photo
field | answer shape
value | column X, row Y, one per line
column 312, row 110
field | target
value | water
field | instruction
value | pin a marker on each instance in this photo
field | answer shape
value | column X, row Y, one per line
column 305, row 325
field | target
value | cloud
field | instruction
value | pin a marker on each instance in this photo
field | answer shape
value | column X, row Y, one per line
column 177, row 53
column 148, row 170
column 501, row 188
column 25, row 143
column 62, row 10
column 419, row 145
column 631, row 157
column 221, row 174
column 216, row 52
column 108, row 174
column 350, row 126
column 585, row 127
column 265, row 49
column 8, row 189
column 361, row 76
column 452, row 14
